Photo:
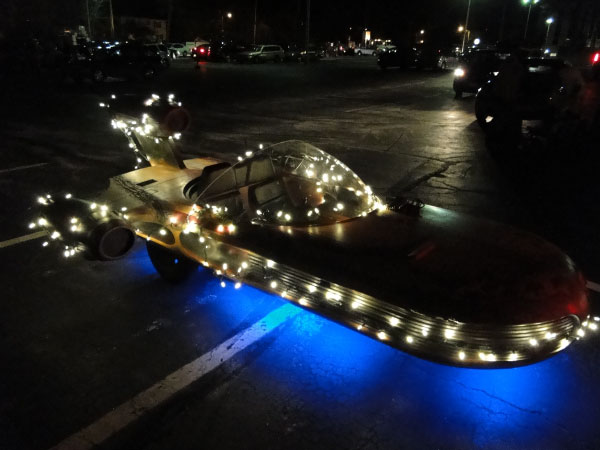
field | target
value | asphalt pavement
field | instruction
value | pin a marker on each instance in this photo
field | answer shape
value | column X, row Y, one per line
column 107, row 355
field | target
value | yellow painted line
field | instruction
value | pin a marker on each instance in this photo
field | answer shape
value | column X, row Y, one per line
column 21, row 239
column 98, row 432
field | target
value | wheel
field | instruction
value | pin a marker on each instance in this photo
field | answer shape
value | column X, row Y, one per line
column 457, row 93
column 497, row 121
column 185, row 53
column 277, row 59
column 98, row 75
column 170, row 266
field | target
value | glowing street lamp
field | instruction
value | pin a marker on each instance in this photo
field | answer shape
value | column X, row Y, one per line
column 549, row 22
column 530, row 3
column 461, row 29
column 229, row 16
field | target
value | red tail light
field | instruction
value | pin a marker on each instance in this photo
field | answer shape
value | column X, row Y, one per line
column 201, row 50
column 596, row 58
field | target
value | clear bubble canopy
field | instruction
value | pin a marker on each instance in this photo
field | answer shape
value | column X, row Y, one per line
column 290, row 183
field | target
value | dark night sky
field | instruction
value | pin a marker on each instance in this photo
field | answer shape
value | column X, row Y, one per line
column 332, row 19
column 283, row 21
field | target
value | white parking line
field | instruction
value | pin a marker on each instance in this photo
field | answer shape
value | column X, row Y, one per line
column 593, row 286
column 31, row 166
column 21, row 239
column 128, row 412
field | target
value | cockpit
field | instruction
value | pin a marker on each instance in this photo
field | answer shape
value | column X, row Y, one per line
column 290, row 183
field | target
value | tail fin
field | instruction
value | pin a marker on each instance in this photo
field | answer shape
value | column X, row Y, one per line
column 152, row 127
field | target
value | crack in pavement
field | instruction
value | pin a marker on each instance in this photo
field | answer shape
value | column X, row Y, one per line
column 400, row 187
column 506, row 402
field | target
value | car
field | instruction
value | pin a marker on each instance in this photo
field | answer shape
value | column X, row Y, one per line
column 538, row 92
column 177, row 50
column 162, row 51
column 262, row 53
column 190, row 45
column 297, row 222
column 367, row 51
column 201, row 52
column 474, row 69
column 224, row 51
column 292, row 53
column 129, row 60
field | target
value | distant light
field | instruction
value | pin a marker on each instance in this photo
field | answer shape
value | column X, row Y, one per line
column 461, row 29
column 461, row 356
column 459, row 72
column 477, row 41
column 422, row 31
column 549, row 20
column 229, row 15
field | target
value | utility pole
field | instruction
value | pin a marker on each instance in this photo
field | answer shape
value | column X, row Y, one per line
column 502, row 21
column 87, row 10
column 169, row 19
column 112, row 20
column 308, row 28
column 254, row 33
column 466, row 27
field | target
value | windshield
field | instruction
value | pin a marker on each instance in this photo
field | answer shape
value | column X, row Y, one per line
column 290, row 183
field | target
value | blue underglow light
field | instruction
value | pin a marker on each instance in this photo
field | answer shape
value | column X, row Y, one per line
column 345, row 379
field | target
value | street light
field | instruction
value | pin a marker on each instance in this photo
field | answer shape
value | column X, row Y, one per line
column 530, row 3
column 461, row 29
column 466, row 26
column 229, row 16
column 549, row 22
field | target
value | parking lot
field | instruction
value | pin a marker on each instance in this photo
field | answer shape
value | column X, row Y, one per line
column 107, row 355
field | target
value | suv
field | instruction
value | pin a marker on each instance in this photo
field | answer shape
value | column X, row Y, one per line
column 534, row 90
column 474, row 69
column 130, row 60
column 262, row 53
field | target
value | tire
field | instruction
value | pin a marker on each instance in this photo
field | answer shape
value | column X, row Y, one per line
column 457, row 93
column 277, row 59
column 171, row 266
column 185, row 53
column 98, row 75
column 497, row 122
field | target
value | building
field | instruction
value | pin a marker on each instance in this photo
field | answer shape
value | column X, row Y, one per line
column 143, row 27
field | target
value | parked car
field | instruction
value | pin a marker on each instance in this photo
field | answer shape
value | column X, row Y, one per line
column 393, row 56
column 292, row 53
column 474, row 69
column 223, row 51
column 534, row 90
column 190, row 45
column 129, row 60
column 262, row 53
column 177, row 50
column 360, row 51
column 201, row 52
column 162, row 51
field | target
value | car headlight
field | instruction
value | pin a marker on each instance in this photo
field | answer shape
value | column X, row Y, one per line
column 459, row 72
